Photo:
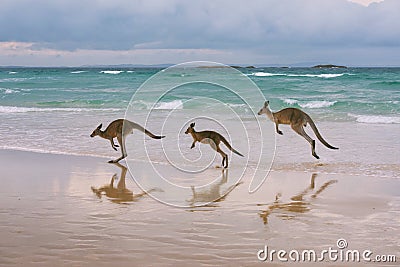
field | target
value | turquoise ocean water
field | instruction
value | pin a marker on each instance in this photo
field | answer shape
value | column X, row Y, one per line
column 53, row 110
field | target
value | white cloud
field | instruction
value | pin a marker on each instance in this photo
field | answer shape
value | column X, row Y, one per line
column 365, row 2
column 19, row 53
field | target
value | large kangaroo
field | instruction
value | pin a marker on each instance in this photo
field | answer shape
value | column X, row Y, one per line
column 213, row 139
column 297, row 120
column 120, row 129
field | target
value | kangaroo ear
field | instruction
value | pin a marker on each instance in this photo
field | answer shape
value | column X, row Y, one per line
column 192, row 124
column 99, row 127
column 266, row 103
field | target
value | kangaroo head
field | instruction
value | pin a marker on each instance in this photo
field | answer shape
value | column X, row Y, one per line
column 96, row 131
column 190, row 129
column 264, row 109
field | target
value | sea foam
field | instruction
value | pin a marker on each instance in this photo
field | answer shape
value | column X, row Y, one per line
column 323, row 75
column 266, row 74
column 54, row 152
column 78, row 71
column 375, row 119
column 290, row 101
column 175, row 104
column 111, row 71
column 14, row 79
column 8, row 91
column 12, row 109
column 317, row 104
column 311, row 104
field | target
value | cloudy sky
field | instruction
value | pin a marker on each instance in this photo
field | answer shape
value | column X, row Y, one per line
column 257, row 32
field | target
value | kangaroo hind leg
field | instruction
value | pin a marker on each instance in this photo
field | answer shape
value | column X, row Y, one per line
column 121, row 141
column 277, row 128
column 224, row 157
column 298, row 128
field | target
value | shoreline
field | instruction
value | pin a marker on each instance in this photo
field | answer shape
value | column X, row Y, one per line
column 329, row 164
column 55, row 153
column 316, row 166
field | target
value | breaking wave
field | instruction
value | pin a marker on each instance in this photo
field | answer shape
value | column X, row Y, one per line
column 175, row 104
column 290, row 101
column 310, row 104
column 111, row 71
column 317, row 104
column 78, row 71
column 323, row 75
column 375, row 119
column 12, row 109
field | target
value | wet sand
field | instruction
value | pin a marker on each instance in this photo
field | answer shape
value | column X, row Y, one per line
column 59, row 210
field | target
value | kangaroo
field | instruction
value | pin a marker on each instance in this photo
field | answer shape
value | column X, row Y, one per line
column 120, row 129
column 297, row 120
column 213, row 139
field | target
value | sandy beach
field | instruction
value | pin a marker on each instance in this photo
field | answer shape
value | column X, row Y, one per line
column 61, row 210
column 300, row 98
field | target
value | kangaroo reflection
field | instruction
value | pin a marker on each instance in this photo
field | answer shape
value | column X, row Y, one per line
column 297, row 203
column 118, row 194
column 213, row 193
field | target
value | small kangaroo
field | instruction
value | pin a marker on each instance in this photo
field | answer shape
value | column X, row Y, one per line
column 213, row 139
column 120, row 129
column 297, row 120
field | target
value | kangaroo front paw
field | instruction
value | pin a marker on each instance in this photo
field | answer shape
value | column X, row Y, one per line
column 115, row 148
column 113, row 161
column 316, row 156
column 116, row 145
column 280, row 132
column 191, row 147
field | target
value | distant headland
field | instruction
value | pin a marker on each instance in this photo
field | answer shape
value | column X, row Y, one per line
column 329, row 66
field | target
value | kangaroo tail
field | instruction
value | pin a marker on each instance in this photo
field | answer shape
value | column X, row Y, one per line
column 315, row 129
column 230, row 147
column 142, row 129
